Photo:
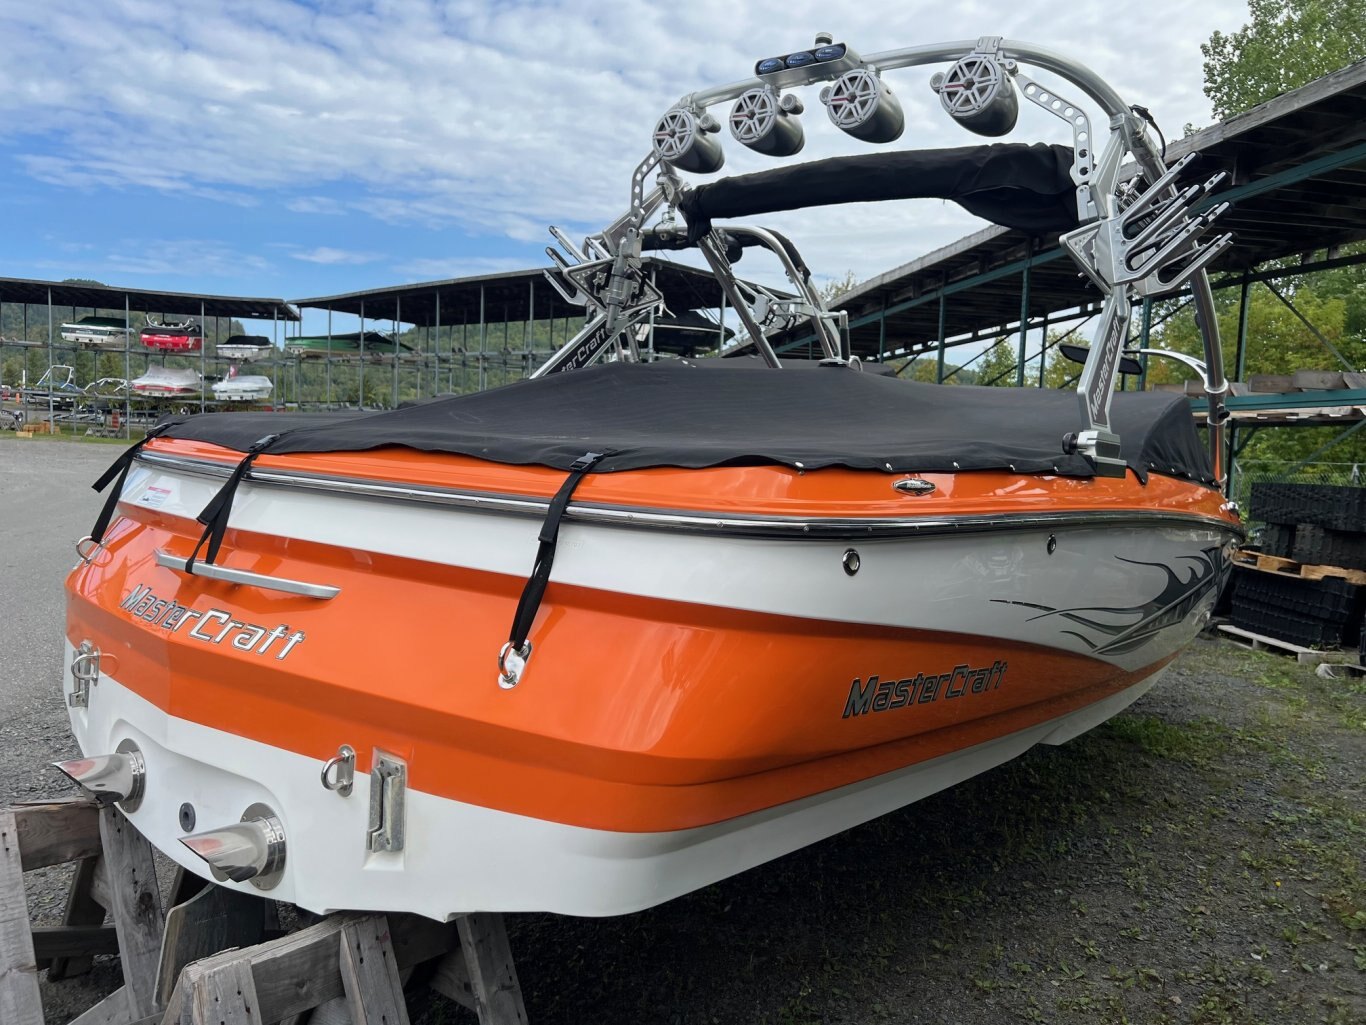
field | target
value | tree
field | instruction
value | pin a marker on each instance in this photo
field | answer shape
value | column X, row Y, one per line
column 997, row 365
column 1287, row 44
column 836, row 287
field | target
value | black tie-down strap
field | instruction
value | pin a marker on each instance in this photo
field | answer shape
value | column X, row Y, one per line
column 118, row 469
column 518, row 649
column 215, row 514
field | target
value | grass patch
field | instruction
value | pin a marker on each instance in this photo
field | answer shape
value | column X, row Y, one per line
column 1192, row 743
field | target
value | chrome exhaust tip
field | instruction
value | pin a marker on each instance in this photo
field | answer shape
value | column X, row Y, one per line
column 111, row 779
column 252, row 850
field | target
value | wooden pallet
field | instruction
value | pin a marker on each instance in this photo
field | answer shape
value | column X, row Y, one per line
column 207, row 960
column 1303, row 655
column 1289, row 567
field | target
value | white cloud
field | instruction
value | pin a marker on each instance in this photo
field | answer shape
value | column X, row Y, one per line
column 437, row 268
column 324, row 205
column 330, row 255
column 152, row 260
column 500, row 118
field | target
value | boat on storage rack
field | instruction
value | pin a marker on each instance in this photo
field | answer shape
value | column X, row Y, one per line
column 356, row 345
column 167, row 382
column 591, row 641
column 98, row 332
column 243, row 387
column 247, row 348
column 186, row 336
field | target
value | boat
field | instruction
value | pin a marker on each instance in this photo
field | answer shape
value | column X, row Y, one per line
column 186, row 336
column 596, row 639
column 57, row 387
column 167, row 382
column 107, row 393
column 355, row 345
column 98, row 332
column 243, row 387
column 247, row 348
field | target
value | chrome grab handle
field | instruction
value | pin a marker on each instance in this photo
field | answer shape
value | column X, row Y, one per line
column 242, row 576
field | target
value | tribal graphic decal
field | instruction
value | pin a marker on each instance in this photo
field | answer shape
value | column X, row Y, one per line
column 1130, row 628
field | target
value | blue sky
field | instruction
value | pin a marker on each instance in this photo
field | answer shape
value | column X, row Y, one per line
column 292, row 149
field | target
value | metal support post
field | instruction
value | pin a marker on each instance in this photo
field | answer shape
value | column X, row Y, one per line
column 939, row 358
column 1024, row 323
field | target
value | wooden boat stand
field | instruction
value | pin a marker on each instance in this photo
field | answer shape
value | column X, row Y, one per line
column 217, row 957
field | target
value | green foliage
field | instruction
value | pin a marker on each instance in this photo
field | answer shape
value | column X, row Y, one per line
column 996, row 368
column 1287, row 44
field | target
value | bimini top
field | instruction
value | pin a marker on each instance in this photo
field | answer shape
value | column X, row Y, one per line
column 709, row 413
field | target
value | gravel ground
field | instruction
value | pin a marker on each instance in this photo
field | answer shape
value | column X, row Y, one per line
column 1196, row 860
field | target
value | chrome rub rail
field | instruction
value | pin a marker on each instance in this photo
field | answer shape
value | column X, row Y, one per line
column 832, row 528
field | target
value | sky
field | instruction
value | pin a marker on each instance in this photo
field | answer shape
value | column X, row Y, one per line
column 287, row 148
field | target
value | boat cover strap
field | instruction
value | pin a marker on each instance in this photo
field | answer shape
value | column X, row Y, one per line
column 215, row 515
column 534, row 590
column 119, row 468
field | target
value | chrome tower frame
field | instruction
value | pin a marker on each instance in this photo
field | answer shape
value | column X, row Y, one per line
column 1140, row 235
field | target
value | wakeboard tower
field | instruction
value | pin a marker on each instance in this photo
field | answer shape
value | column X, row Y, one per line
column 591, row 641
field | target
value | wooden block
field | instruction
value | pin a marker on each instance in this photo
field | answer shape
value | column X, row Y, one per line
column 82, row 909
column 1272, row 383
column 1352, row 576
column 493, row 976
column 112, row 1010
column 99, row 884
column 369, row 973
column 1353, row 381
column 54, row 832
column 451, row 978
column 226, row 996
column 215, row 919
column 297, row 972
column 20, row 1002
column 135, row 905
column 68, row 942
column 1317, row 380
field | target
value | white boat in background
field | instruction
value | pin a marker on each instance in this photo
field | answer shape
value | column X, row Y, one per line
column 243, row 387
column 247, row 348
column 98, row 332
column 167, row 382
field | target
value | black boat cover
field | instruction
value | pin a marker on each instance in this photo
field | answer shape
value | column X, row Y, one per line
column 713, row 413
column 1028, row 187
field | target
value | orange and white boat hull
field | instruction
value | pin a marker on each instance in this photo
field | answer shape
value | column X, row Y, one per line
column 705, row 693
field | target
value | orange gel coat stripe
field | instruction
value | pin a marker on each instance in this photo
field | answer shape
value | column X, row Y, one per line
column 636, row 715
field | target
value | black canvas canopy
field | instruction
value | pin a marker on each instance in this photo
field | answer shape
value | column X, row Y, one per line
column 713, row 413
column 1028, row 187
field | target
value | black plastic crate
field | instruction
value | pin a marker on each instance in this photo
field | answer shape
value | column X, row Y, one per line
column 1338, row 507
column 1286, row 626
column 1323, row 546
column 1278, row 539
column 1331, row 599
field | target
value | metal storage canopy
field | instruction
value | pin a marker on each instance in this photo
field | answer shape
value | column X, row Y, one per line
column 112, row 297
column 1297, row 179
column 510, row 296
